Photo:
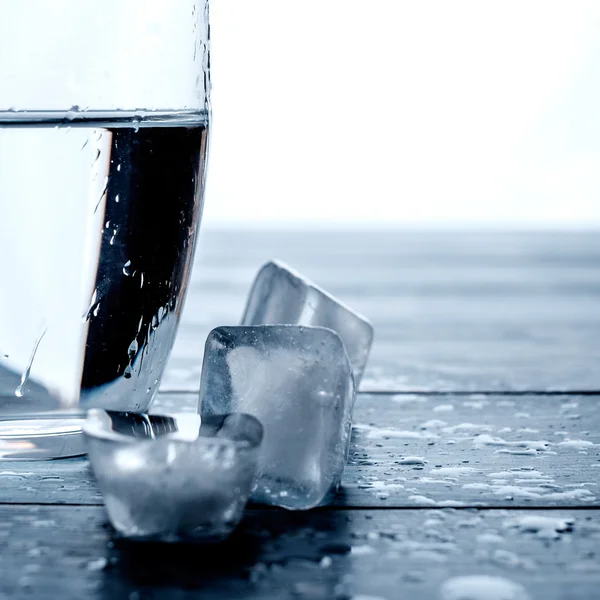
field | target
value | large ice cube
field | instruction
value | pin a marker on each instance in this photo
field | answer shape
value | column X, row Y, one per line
column 280, row 295
column 297, row 381
column 170, row 478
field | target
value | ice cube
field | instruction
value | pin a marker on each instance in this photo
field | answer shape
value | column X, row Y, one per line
column 297, row 381
column 172, row 479
column 280, row 295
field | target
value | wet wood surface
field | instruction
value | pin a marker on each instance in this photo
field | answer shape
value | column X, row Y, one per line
column 411, row 450
column 474, row 467
column 68, row 552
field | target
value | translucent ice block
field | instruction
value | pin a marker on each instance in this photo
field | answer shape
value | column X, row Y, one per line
column 298, row 382
column 170, row 478
column 280, row 295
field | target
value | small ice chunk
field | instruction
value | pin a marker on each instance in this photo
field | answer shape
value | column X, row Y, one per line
column 298, row 382
column 171, row 479
column 280, row 295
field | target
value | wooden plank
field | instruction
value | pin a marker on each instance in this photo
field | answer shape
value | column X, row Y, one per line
column 416, row 450
column 67, row 552
column 452, row 311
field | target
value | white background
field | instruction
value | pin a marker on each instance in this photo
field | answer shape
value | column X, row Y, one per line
column 390, row 112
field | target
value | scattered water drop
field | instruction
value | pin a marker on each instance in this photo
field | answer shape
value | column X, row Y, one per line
column 126, row 270
column 141, row 280
column 362, row 550
column 541, row 526
column 97, row 565
column 127, row 372
column 482, row 587
column 119, row 167
column 95, row 313
column 117, row 198
column 27, row 371
column 412, row 460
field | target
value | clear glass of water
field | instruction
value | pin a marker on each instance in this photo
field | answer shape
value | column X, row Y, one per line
column 104, row 121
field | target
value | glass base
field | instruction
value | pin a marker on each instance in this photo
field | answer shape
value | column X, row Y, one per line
column 41, row 437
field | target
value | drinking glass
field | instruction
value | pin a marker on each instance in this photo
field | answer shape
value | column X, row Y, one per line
column 104, row 120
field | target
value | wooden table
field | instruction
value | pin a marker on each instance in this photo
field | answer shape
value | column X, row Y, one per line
column 476, row 446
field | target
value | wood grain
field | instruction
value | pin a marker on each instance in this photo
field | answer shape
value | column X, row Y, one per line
column 69, row 552
column 452, row 311
column 415, row 450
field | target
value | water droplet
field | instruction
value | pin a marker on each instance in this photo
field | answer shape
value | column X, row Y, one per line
column 97, row 565
column 114, row 235
column 107, row 224
column 127, row 372
column 95, row 313
column 117, row 198
column 5, row 356
column 87, row 313
column 142, row 280
column 27, row 371
column 482, row 587
column 119, row 167
column 148, row 390
column 132, row 350
column 72, row 112
column 126, row 270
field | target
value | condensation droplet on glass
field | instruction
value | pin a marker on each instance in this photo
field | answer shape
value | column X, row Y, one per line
column 117, row 198
column 133, row 348
column 85, row 143
column 126, row 270
column 136, row 120
column 72, row 112
column 140, row 323
column 148, row 390
column 107, row 225
column 98, row 153
column 127, row 372
column 141, row 280
column 86, row 315
column 119, row 167
column 27, row 371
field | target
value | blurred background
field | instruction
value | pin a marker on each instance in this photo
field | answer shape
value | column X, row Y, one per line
column 433, row 164
column 341, row 113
